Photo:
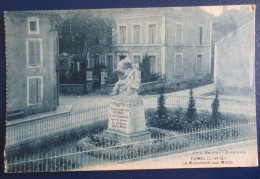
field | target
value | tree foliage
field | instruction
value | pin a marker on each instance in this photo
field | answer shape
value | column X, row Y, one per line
column 161, row 109
column 83, row 34
column 191, row 111
column 145, row 66
column 216, row 115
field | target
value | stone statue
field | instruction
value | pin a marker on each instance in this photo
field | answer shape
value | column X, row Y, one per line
column 128, row 78
column 126, row 121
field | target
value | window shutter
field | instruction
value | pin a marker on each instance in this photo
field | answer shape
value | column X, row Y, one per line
column 34, row 50
column 122, row 34
column 152, row 64
column 35, row 91
column 152, row 33
column 178, row 65
column 178, row 33
column 37, row 52
column 31, row 53
column 137, row 34
column 199, row 63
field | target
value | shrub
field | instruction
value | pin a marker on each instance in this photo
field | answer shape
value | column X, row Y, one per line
column 178, row 120
column 160, row 118
column 191, row 111
column 161, row 109
column 111, row 78
column 132, row 151
column 146, row 75
column 57, row 140
column 93, row 141
column 216, row 115
column 156, row 132
column 174, row 120
column 145, row 69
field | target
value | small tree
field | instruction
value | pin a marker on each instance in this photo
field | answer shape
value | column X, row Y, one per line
column 191, row 111
column 216, row 115
column 145, row 69
column 161, row 109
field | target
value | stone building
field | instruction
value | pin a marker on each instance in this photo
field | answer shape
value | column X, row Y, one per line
column 234, row 61
column 177, row 40
column 32, row 53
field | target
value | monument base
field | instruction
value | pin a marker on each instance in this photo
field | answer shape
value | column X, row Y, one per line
column 127, row 120
column 126, row 138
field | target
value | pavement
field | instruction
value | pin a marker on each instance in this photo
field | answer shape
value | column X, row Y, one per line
column 92, row 99
column 205, row 94
column 62, row 109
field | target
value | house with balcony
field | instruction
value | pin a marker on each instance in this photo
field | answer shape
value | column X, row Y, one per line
column 32, row 56
column 177, row 41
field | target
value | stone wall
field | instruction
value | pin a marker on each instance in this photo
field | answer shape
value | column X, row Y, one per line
column 143, row 86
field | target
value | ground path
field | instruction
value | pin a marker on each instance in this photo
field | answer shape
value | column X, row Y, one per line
column 91, row 108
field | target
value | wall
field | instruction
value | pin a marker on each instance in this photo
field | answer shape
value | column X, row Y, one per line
column 17, row 70
column 234, row 59
column 77, row 89
column 189, row 48
column 143, row 86
column 165, row 48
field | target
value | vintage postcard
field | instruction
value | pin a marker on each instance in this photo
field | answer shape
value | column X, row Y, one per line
column 122, row 89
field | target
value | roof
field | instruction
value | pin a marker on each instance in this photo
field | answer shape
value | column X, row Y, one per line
column 128, row 12
column 53, row 14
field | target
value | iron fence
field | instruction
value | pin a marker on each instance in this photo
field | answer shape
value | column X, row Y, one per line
column 159, row 145
column 46, row 126
column 83, row 116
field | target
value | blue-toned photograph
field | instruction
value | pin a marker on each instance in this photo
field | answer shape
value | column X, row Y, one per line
column 130, row 88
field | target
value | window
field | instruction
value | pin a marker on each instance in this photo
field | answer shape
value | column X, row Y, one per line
column 103, row 61
column 97, row 60
column 200, row 35
column 78, row 66
column 178, row 34
column 152, row 33
column 33, row 25
column 152, row 64
column 34, row 90
column 178, row 64
column 137, row 59
column 72, row 66
column 136, row 34
column 199, row 64
column 122, row 34
column 34, row 52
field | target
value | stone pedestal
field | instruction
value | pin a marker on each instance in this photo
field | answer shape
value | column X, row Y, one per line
column 127, row 120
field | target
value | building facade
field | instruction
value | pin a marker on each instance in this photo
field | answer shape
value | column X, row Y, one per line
column 32, row 53
column 177, row 40
column 234, row 61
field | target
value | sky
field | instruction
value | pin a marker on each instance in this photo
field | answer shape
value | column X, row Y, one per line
column 217, row 10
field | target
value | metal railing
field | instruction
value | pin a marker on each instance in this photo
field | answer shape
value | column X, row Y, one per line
column 159, row 145
column 51, row 125
column 83, row 116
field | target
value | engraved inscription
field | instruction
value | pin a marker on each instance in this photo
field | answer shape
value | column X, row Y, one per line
column 119, row 117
